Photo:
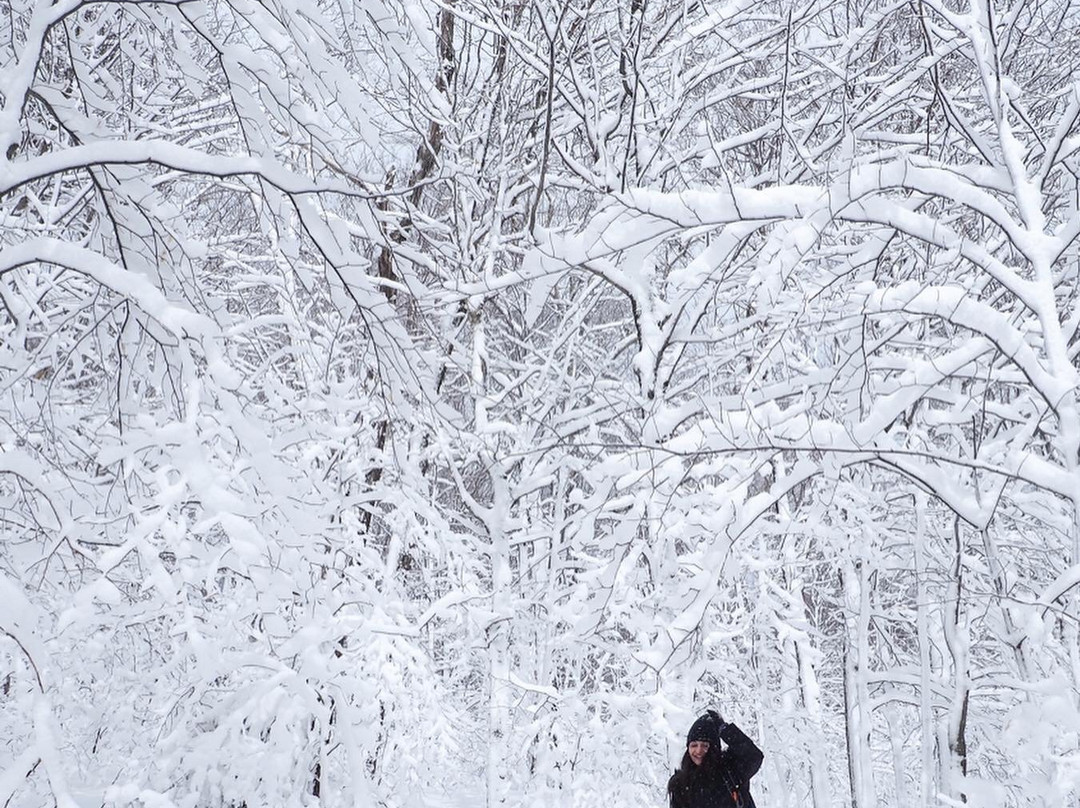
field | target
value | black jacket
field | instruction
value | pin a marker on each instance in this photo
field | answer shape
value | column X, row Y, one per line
column 723, row 778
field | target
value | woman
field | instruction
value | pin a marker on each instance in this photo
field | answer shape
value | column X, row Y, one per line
column 710, row 777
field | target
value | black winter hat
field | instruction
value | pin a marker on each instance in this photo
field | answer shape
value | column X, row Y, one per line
column 706, row 728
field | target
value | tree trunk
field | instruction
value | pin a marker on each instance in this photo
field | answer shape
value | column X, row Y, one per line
column 958, row 643
column 856, row 689
column 928, row 775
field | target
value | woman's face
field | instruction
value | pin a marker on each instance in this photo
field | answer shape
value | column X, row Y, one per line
column 698, row 750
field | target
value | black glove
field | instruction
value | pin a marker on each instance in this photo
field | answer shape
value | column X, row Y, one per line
column 721, row 724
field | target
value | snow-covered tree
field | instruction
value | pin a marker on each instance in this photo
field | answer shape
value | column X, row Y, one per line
column 402, row 399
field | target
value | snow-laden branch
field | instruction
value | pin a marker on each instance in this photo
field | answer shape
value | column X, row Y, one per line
column 16, row 80
column 177, row 319
column 175, row 157
column 1067, row 580
column 16, row 773
column 862, row 198
column 31, row 472
column 18, row 622
column 955, row 305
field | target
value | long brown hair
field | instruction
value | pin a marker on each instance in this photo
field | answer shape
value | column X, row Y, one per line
column 708, row 763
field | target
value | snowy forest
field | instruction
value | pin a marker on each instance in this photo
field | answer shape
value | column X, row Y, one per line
column 443, row 402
